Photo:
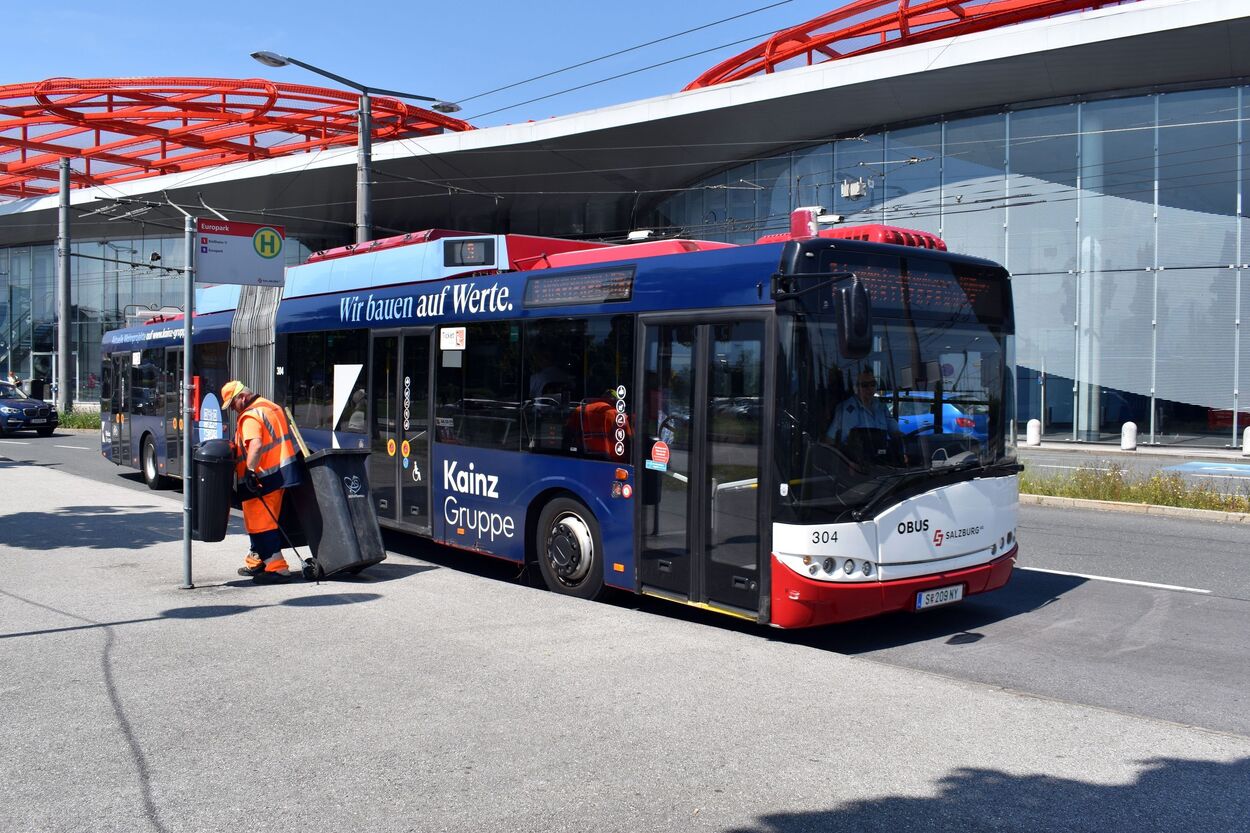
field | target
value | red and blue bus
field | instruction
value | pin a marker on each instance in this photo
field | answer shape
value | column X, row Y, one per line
column 657, row 418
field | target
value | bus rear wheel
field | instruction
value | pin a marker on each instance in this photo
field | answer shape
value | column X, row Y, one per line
column 147, row 463
column 570, row 549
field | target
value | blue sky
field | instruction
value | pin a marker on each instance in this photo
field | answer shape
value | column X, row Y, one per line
column 446, row 50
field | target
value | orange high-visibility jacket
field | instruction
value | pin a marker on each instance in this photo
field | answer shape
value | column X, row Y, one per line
column 278, row 467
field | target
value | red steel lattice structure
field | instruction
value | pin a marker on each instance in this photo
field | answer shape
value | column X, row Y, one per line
column 867, row 26
column 120, row 129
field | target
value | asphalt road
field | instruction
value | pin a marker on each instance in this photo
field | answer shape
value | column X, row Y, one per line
column 440, row 693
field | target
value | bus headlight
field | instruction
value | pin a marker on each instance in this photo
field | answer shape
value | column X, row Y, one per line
column 849, row 566
column 830, row 565
column 867, row 568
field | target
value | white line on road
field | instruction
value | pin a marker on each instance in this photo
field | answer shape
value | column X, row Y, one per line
column 79, row 447
column 15, row 442
column 1119, row 580
column 1049, row 466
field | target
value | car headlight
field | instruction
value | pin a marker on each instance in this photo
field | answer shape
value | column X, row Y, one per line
column 6, row 410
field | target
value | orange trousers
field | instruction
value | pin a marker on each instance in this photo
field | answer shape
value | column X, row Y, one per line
column 256, row 518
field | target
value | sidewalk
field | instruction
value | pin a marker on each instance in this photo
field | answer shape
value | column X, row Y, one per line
column 424, row 698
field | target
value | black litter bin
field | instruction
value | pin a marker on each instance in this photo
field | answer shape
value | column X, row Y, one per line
column 336, row 513
column 213, row 488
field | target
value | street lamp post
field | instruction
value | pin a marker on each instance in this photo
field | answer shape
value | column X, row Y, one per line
column 364, row 133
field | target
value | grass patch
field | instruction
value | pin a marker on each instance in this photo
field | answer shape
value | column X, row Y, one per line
column 1160, row 489
column 80, row 419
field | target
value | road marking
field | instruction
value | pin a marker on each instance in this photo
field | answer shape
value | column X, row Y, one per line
column 16, row 442
column 1049, row 466
column 1119, row 580
column 79, row 447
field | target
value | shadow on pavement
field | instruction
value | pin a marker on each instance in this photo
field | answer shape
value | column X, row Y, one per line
column 96, row 527
column 1168, row 794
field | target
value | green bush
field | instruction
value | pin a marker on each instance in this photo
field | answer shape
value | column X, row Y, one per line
column 1160, row 489
column 80, row 419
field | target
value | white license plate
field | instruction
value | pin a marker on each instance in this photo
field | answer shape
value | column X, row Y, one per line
column 38, row 421
column 939, row 596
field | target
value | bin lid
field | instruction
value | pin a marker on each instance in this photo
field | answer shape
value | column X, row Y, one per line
column 214, row 450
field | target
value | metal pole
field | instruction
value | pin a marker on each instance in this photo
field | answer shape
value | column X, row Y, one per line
column 364, row 158
column 64, row 391
column 188, row 307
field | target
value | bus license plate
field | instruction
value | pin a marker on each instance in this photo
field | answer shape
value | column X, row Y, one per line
column 939, row 596
column 38, row 421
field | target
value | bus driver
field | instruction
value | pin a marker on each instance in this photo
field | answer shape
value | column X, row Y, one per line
column 863, row 411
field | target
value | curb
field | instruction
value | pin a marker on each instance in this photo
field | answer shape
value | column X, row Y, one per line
column 1137, row 508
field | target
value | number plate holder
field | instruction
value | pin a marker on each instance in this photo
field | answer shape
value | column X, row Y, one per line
column 939, row 596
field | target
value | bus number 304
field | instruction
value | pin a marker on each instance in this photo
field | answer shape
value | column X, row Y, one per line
column 824, row 537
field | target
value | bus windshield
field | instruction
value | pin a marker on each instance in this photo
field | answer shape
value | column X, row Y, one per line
column 930, row 401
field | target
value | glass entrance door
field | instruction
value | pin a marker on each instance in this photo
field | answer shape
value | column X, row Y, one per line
column 703, row 433
column 399, row 459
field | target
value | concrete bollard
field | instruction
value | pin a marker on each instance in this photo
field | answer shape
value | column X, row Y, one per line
column 1245, row 442
column 1128, row 437
column 1033, row 432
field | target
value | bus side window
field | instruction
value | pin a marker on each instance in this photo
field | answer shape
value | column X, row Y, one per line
column 479, row 390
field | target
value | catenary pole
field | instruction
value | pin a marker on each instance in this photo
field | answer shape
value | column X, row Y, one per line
column 188, row 306
column 64, row 364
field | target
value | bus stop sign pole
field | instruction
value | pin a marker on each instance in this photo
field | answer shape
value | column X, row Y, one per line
column 188, row 404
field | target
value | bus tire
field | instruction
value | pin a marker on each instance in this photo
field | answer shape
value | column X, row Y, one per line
column 569, row 549
column 147, row 464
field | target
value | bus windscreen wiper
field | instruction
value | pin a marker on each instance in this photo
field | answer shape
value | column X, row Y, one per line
column 886, row 488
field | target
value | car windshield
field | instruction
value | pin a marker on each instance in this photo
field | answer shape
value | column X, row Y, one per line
column 931, row 399
column 8, row 391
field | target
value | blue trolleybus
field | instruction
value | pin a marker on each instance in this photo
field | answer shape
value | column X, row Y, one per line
column 662, row 418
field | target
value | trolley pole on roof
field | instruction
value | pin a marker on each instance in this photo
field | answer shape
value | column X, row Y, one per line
column 364, row 133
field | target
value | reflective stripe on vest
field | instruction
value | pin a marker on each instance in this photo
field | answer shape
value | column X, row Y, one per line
column 277, row 467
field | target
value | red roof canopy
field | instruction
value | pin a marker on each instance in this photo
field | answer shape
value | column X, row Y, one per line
column 119, row 129
column 866, row 26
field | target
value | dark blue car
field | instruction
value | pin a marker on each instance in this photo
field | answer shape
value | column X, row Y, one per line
column 18, row 412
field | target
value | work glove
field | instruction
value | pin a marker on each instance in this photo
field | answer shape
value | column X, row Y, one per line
column 252, row 482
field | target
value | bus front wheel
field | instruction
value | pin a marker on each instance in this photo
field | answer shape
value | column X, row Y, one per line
column 570, row 549
column 147, row 460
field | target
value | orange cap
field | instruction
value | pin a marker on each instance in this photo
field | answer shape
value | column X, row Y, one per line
column 232, row 389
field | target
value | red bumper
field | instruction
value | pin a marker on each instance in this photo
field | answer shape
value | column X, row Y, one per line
column 799, row 602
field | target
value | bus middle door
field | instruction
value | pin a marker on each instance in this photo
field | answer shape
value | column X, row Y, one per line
column 399, row 459
column 702, row 446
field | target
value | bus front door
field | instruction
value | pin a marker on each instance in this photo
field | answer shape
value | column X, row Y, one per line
column 120, row 404
column 174, row 404
column 701, row 445
column 399, row 459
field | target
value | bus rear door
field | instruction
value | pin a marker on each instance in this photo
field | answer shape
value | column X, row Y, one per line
column 399, row 459
column 702, row 448
column 119, row 445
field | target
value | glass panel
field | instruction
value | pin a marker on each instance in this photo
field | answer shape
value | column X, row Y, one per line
column 735, row 432
column 382, row 465
column 479, row 388
column 715, row 208
column 1046, row 349
column 856, row 175
column 1117, row 182
column 1041, row 214
column 741, row 191
column 974, row 184
column 913, row 178
column 772, row 205
column 1116, row 349
column 667, row 427
column 813, row 176
column 1198, row 178
column 1194, row 393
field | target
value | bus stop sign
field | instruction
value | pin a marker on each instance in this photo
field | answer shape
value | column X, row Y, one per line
column 239, row 253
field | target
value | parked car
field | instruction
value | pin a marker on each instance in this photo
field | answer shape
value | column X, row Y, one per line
column 18, row 412
column 915, row 415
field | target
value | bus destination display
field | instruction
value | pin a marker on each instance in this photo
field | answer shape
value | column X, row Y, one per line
column 581, row 288
column 469, row 252
column 928, row 287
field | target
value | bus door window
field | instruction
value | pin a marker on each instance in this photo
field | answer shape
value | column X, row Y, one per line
column 174, row 403
column 384, row 447
column 414, row 410
column 735, row 436
column 666, row 427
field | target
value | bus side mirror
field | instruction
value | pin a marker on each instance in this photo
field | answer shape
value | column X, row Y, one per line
column 854, row 314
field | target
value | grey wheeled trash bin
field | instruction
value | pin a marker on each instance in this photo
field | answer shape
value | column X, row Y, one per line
column 338, row 518
column 213, row 488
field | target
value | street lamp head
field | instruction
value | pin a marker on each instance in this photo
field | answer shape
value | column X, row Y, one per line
column 271, row 59
column 445, row 107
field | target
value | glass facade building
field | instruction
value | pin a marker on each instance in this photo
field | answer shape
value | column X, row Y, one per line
column 1120, row 219
column 108, row 282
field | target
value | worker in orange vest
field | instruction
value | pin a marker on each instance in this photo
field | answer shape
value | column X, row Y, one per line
column 267, row 465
